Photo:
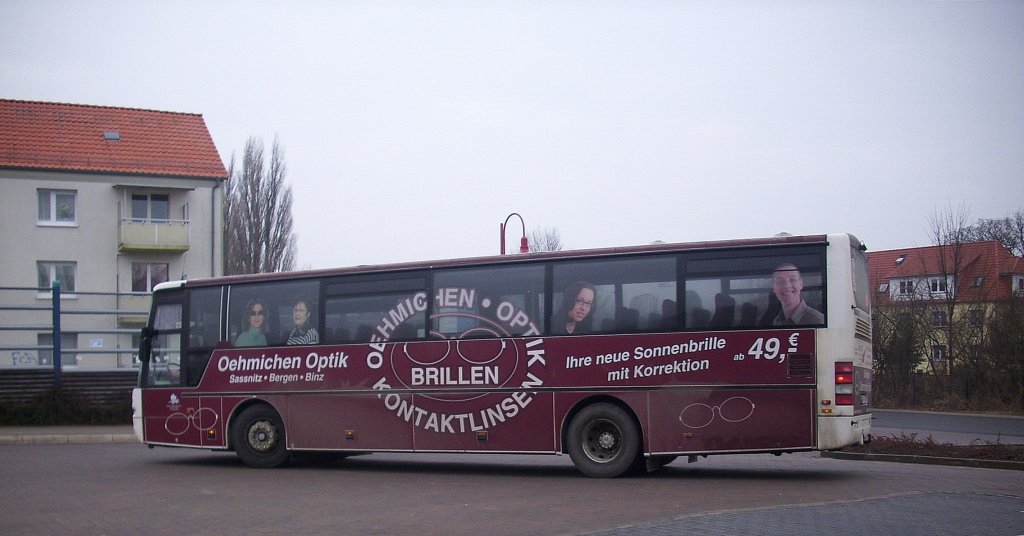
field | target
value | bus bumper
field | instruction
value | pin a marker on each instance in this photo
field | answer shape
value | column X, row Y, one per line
column 137, row 413
column 840, row 431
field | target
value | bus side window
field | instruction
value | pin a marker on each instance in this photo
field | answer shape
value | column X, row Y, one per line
column 619, row 295
column 488, row 302
column 386, row 316
column 724, row 292
column 204, row 318
column 375, row 308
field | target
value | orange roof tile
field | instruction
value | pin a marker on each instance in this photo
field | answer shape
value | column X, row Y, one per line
column 71, row 137
column 987, row 260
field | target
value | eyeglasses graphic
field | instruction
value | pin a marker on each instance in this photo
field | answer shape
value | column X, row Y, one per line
column 732, row 410
column 178, row 423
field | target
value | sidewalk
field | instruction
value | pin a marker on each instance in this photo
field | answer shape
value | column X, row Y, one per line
column 59, row 435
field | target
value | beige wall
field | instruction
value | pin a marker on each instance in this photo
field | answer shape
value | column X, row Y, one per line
column 92, row 242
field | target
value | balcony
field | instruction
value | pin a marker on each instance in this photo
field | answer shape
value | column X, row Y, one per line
column 168, row 236
column 133, row 309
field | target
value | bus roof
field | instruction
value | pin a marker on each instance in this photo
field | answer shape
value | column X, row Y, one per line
column 782, row 240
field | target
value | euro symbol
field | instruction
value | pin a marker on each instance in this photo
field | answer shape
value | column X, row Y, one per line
column 793, row 339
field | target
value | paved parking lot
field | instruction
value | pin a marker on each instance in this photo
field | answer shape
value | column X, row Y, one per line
column 126, row 488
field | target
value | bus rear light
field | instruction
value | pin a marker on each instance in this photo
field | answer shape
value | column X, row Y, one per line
column 844, row 383
column 844, row 372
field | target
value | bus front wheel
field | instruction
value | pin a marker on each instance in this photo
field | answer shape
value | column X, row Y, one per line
column 258, row 437
column 603, row 441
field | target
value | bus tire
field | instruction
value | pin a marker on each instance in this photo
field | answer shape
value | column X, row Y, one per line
column 603, row 441
column 258, row 437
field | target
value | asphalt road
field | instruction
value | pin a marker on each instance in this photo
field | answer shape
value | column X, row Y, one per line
column 956, row 428
column 128, row 489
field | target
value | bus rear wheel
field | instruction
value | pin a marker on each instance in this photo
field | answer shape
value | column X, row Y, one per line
column 258, row 437
column 603, row 441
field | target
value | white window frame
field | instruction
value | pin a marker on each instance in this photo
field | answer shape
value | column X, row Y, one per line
column 149, row 275
column 52, row 195
column 940, row 286
column 903, row 289
column 149, row 207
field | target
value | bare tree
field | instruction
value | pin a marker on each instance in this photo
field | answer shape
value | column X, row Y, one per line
column 1004, row 350
column 545, row 239
column 963, row 327
column 898, row 349
column 258, row 234
column 950, row 231
column 1009, row 231
column 945, row 319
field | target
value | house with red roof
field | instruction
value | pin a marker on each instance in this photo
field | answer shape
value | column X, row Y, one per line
column 950, row 283
column 103, row 199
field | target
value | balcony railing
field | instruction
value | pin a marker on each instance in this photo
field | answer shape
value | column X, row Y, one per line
column 153, row 235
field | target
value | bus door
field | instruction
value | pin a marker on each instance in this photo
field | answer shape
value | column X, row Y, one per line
column 160, row 372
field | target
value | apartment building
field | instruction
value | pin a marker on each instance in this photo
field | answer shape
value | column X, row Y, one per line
column 947, row 285
column 105, row 200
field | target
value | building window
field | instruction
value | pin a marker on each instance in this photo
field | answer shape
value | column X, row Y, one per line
column 938, row 285
column 883, row 288
column 57, row 207
column 48, row 272
column 151, row 207
column 939, row 319
column 906, row 287
column 1018, row 286
column 978, row 281
column 68, row 343
column 938, row 353
column 147, row 275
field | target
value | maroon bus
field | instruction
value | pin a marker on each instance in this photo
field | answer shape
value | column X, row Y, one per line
column 622, row 358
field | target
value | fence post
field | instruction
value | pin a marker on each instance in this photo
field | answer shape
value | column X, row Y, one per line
column 55, row 294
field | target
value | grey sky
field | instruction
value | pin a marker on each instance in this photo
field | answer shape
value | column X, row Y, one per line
column 412, row 129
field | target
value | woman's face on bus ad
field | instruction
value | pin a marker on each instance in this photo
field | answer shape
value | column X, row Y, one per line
column 256, row 316
column 581, row 308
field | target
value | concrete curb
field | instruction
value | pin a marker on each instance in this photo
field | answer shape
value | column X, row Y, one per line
column 66, row 439
column 930, row 460
column 82, row 434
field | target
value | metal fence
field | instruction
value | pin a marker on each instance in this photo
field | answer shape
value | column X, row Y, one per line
column 103, row 314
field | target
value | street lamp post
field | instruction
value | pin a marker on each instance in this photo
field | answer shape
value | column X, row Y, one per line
column 524, row 244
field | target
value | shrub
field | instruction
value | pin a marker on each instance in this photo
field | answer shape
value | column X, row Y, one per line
column 59, row 407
